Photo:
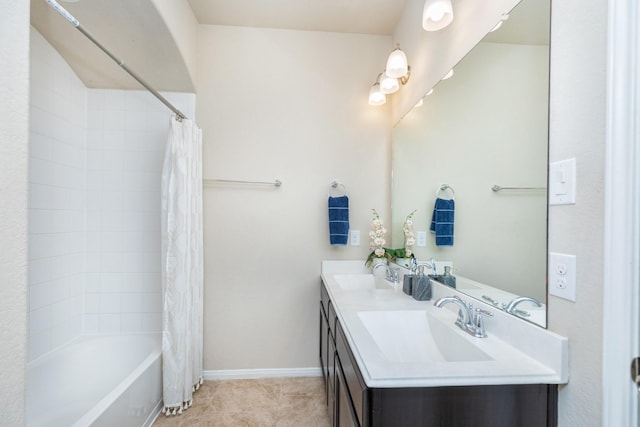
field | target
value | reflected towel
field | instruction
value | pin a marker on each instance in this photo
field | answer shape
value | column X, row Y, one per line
column 339, row 220
column 442, row 221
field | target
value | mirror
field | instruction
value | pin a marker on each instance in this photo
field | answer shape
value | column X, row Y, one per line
column 486, row 125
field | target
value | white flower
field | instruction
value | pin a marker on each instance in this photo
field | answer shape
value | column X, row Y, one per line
column 379, row 241
column 408, row 223
column 372, row 234
column 411, row 241
column 407, row 253
column 379, row 252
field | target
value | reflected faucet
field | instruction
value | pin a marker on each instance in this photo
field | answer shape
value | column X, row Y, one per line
column 511, row 307
column 470, row 322
column 392, row 274
column 431, row 265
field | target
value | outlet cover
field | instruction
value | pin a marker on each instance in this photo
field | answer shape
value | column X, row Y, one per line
column 355, row 237
column 562, row 276
column 421, row 241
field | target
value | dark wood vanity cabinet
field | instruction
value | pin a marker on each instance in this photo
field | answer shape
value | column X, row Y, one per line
column 351, row 403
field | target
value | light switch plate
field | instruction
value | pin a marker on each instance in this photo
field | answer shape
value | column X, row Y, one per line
column 562, row 182
column 562, row 276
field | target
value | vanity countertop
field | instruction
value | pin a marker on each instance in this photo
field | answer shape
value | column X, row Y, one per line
column 515, row 352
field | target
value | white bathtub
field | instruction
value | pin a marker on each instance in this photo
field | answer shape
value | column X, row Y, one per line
column 97, row 381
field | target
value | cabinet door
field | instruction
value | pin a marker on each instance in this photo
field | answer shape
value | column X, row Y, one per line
column 345, row 415
column 324, row 336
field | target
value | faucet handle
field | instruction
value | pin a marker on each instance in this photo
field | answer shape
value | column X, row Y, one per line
column 479, row 330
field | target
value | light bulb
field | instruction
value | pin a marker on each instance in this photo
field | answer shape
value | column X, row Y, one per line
column 436, row 14
column 448, row 75
column 397, row 65
column 375, row 96
column 389, row 84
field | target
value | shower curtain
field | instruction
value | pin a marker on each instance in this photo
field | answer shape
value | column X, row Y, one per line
column 182, row 266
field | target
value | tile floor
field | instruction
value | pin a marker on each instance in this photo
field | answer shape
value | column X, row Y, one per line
column 266, row 402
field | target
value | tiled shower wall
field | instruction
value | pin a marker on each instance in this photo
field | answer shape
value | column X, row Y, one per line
column 126, row 136
column 58, row 105
column 95, row 167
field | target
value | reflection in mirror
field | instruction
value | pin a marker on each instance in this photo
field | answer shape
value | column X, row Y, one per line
column 485, row 126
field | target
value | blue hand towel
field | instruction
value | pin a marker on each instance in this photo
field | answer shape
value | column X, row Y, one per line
column 339, row 220
column 442, row 221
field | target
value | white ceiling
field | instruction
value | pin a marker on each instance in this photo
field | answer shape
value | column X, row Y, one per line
column 342, row 16
column 134, row 31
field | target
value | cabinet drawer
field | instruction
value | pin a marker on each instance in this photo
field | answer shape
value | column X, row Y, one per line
column 353, row 379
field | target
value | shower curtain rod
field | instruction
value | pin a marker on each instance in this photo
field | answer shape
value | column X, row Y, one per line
column 73, row 21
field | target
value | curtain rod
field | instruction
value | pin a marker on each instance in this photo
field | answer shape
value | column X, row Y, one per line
column 73, row 21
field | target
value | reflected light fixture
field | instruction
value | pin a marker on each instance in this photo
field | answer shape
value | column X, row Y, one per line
column 376, row 97
column 504, row 17
column 436, row 14
column 448, row 75
column 397, row 65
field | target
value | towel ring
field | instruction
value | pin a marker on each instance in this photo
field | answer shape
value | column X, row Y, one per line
column 335, row 184
column 445, row 187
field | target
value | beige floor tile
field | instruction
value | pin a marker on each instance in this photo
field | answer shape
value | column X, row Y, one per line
column 265, row 402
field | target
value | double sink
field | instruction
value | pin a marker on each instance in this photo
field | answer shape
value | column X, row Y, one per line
column 399, row 341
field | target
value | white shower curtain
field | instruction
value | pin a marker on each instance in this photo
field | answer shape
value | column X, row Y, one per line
column 182, row 266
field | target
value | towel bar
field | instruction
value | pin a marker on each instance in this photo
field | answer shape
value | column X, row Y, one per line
column 445, row 187
column 277, row 182
column 497, row 188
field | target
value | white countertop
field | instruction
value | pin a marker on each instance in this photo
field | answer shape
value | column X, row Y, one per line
column 518, row 352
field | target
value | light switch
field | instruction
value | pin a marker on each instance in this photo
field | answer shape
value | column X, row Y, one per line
column 562, row 182
column 355, row 237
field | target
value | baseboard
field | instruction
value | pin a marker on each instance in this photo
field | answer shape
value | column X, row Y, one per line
column 236, row 374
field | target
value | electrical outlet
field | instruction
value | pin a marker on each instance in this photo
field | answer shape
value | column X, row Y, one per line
column 562, row 276
column 421, row 241
column 355, row 237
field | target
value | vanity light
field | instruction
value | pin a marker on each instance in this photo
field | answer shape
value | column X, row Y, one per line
column 504, row 17
column 389, row 81
column 430, row 92
column 388, row 84
column 436, row 14
column 397, row 65
column 376, row 97
column 448, row 75
column 419, row 103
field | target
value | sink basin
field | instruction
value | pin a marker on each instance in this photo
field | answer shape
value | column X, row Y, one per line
column 361, row 282
column 418, row 337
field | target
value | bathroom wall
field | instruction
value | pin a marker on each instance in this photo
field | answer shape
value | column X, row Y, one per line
column 58, row 104
column 577, row 129
column 95, row 168
column 290, row 105
column 14, row 137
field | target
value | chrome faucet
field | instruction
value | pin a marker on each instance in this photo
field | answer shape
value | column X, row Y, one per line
column 431, row 265
column 392, row 274
column 470, row 321
column 511, row 307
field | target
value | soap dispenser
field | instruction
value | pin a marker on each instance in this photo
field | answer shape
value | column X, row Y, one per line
column 421, row 286
column 408, row 279
column 448, row 279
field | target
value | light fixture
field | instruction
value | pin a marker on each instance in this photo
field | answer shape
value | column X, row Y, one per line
column 397, row 65
column 504, row 17
column 376, row 97
column 397, row 72
column 430, row 92
column 436, row 14
column 388, row 84
column 448, row 75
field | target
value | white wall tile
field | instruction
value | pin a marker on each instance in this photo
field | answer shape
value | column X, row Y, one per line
column 109, row 323
column 39, row 295
column 151, row 322
column 91, row 323
column 39, row 320
column 40, row 246
column 111, row 282
column 40, row 270
column 39, row 344
column 131, row 322
column 92, row 303
column 132, row 303
column 151, row 303
column 110, row 303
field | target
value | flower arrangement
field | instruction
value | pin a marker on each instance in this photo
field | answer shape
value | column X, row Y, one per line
column 409, row 237
column 376, row 244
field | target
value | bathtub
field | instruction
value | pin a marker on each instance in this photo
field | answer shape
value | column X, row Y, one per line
column 97, row 381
